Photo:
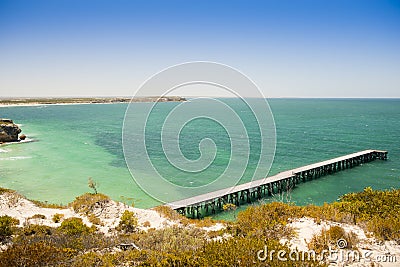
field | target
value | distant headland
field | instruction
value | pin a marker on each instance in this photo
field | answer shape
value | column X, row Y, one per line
column 85, row 100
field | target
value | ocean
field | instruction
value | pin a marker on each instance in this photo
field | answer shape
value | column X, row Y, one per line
column 75, row 142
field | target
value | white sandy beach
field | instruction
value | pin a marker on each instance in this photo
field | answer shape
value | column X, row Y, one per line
column 13, row 205
column 55, row 104
column 18, row 207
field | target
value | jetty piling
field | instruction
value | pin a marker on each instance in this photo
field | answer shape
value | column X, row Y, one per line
column 284, row 181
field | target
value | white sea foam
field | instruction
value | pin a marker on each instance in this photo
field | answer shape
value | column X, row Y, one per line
column 16, row 158
column 27, row 140
column 3, row 151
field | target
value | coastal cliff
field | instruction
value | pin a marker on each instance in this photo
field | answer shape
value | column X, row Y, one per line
column 8, row 131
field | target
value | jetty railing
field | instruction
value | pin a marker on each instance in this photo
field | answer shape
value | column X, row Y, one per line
column 201, row 205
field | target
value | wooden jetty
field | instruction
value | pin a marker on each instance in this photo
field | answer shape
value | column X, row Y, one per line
column 201, row 205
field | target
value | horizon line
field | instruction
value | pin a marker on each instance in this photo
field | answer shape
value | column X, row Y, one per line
column 209, row 96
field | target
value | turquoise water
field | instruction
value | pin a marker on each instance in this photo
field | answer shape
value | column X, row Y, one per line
column 75, row 142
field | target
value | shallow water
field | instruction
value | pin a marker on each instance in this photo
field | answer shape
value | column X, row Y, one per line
column 75, row 142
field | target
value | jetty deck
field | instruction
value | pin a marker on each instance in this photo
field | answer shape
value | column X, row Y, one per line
column 200, row 205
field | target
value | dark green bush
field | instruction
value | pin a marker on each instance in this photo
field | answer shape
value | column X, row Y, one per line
column 7, row 226
column 128, row 223
column 57, row 217
column 38, row 216
column 75, row 226
column 34, row 229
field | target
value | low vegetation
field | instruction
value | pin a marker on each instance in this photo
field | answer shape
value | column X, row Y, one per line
column 75, row 226
column 335, row 237
column 44, row 204
column 265, row 221
column 7, row 226
column 87, row 203
column 38, row 216
column 169, row 213
column 258, row 227
column 5, row 190
column 128, row 222
column 172, row 215
column 92, row 184
column 57, row 217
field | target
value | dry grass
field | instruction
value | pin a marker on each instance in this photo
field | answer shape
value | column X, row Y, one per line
column 38, row 216
column 335, row 238
column 169, row 213
column 45, row 204
column 86, row 203
column 5, row 190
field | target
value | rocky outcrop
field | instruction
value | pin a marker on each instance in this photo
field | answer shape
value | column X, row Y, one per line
column 8, row 131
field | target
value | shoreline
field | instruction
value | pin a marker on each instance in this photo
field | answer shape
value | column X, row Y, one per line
column 27, row 140
column 86, row 101
column 54, row 104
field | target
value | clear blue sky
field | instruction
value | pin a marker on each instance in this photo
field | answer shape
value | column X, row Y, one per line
column 298, row 48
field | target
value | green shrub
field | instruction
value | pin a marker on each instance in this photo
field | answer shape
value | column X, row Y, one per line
column 229, row 206
column 128, row 222
column 124, row 258
column 38, row 216
column 170, row 239
column 369, row 203
column 7, row 226
column 91, row 259
column 75, row 226
column 204, row 222
column 385, row 228
column 244, row 251
column 32, row 254
column 34, row 229
column 86, row 203
column 57, row 217
column 92, row 184
column 378, row 210
column 266, row 221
